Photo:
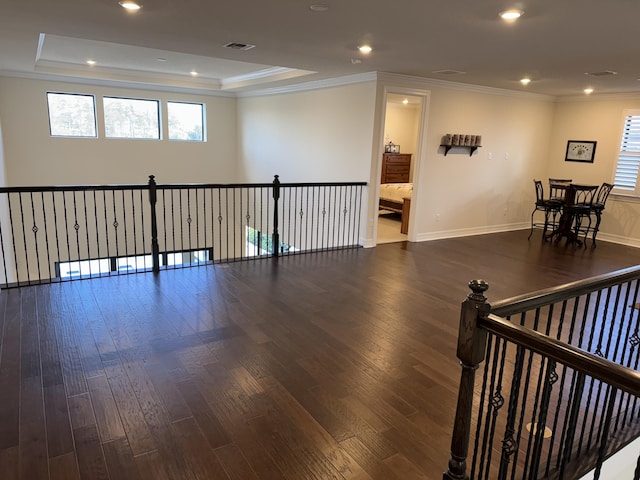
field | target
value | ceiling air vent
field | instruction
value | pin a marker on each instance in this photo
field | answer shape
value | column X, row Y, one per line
column 239, row 46
column 604, row 73
column 449, row 72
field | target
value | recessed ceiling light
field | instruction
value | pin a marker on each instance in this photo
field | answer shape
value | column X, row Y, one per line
column 365, row 49
column 318, row 7
column 525, row 81
column 160, row 59
column 512, row 14
column 91, row 62
column 405, row 101
column 194, row 73
column 130, row 5
column 588, row 90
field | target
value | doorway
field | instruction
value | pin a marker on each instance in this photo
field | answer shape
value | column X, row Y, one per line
column 402, row 132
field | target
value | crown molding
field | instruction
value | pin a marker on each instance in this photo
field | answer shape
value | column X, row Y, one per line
column 601, row 97
column 313, row 85
column 131, row 84
column 423, row 82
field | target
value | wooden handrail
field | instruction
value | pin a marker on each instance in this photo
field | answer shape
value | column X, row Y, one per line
column 592, row 365
column 541, row 298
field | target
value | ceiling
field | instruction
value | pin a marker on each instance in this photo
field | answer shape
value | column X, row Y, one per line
column 554, row 43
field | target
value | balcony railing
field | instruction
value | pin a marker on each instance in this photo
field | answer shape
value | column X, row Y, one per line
column 559, row 389
column 64, row 233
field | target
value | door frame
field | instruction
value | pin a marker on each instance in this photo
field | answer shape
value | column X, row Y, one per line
column 421, row 149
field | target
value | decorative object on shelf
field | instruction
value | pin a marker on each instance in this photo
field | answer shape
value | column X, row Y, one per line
column 451, row 140
column 580, row 151
column 391, row 148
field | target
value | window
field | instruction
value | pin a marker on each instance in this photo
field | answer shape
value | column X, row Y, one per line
column 626, row 178
column 186, row 121
column 71, row 115
column 131, row 118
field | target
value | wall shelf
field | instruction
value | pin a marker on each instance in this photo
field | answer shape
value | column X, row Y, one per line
column 472, row 148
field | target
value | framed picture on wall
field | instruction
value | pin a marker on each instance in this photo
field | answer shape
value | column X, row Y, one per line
column 580, row 151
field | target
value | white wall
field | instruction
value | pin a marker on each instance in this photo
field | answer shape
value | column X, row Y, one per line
column 33, row 157
column 401, row 126
column 321, row 135
column 598, row 119
column 3, row 180
column 493, row 189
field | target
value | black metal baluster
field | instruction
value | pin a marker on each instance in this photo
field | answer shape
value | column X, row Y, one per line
column 351, row 213
column 135, row 234
column 589, row 395
column 527, row 460
column 174, row 247
column 24, row 238
column 325, row 225
column 106, row 226
column 115, row 228
column 312, row 211
column 76, row 227
column 86, row 225
column 197, row 213
column 497, row 400
column 4, row 256
column 204, row 222
column 226, row 214
column 568, row 434
column 35, row 229
column 220, row 220
column 125, row 232
column 481, row 403
column 611, row 395
column 359, row 222
column 95, row 217
column 345, row 212
column 551, row 377
column 509, row 442
column 234, row 222
column 13, row 240
column 213, row 228
column 66, row 229
column 486, row 443
column 154, row 253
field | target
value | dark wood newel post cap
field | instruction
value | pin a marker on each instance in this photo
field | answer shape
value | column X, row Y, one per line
column 478, row 288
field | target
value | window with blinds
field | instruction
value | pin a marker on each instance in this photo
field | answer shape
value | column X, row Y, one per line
column 626, row 178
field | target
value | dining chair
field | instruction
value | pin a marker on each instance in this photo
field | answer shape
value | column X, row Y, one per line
column 558, row 188
column 579, row 206
column 550, row 207
column 597, row 207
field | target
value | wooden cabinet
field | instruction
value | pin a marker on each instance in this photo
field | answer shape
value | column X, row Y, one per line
column 396, row 167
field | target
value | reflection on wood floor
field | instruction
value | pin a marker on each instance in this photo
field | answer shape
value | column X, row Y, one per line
column 336, row 365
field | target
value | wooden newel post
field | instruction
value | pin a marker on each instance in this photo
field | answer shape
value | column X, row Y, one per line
column 472, row 344
column 276, row 236
column 155, row 248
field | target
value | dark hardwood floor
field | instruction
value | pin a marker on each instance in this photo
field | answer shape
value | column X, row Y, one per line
column 336, row 365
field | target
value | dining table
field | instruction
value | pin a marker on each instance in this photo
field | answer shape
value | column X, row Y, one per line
column 570, row 208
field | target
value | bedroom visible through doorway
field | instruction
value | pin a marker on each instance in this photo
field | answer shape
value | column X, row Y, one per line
column 401, row 140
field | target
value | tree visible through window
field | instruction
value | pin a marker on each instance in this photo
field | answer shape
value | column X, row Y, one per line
column 71, row 115
column 131, row 118
column 186, row 121
column 626, row 179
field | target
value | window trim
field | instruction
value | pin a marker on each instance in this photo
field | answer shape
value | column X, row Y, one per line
column 202, row 121
column 116, row 97
column 617, row 191
column 95, row 114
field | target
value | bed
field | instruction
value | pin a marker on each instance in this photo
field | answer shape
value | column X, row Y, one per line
column 395, row 188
